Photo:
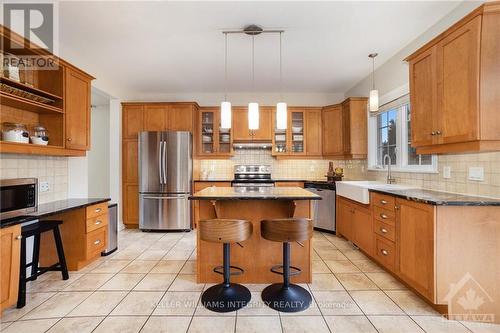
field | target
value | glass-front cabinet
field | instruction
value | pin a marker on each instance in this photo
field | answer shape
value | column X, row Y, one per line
column 213, row 140
column 290, row 141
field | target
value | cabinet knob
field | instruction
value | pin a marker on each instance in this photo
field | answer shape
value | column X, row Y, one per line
column 98, row 222
column 383, row 202
column 384, row 252
column 433, row 133
column 19, row 237
column 438, row 132
column 382, row 215
column 69, row 139
column 396, row 207
column 97, row 242
column 383, row 230
column 97, row 210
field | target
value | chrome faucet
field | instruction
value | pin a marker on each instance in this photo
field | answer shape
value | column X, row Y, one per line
column 390, row 180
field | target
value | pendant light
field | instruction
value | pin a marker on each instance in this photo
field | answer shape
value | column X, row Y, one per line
column 373, row 101
column 253, row 107
column 281, row 107
column 225, row 106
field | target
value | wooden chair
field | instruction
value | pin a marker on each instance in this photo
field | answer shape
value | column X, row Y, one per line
column 286, row 296
column 227, row 296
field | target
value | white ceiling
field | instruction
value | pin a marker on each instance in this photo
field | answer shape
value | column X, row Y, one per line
column 159, row 47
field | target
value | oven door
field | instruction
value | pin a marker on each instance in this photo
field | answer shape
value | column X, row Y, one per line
column 17, row 197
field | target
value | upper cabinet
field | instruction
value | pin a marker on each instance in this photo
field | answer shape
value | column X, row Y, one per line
column 132, row 120
column 77, row 109
column 240, row 125
column 211, row 140
column 344, row 133
column 454, row 84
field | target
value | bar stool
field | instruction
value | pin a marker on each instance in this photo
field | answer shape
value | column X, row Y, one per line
column 35, row 230
column 286, row 296
column 226, row 296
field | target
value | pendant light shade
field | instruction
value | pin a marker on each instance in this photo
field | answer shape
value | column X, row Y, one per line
column 373, row 101
column 225, row 115
column 253, row 116
column 281, row 116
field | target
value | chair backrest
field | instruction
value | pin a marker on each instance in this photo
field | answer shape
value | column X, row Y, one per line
column 287, row 230
column 225, row 230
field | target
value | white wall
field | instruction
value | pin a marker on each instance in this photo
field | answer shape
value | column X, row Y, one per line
column 115, row 169
column 98, row 155
column 394, row 73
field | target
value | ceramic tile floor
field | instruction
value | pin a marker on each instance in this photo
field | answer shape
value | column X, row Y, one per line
column 150, row 286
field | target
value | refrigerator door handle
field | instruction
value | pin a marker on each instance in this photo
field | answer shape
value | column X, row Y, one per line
column 166, row 198
column 164, row 159
column 160, row 161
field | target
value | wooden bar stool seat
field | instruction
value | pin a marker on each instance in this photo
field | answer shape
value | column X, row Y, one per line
column 286, row 296
column 226, row 296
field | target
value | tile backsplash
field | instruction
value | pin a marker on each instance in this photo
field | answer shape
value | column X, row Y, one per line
column 307, row 169
column 51, row 169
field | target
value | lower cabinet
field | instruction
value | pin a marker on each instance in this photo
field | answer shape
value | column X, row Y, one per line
column 9, row 259
column 198, row 186
column 354, row 222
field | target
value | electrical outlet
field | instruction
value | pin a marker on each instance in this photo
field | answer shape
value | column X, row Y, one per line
column 447, row 172
column 476, row 173
column 44, row 187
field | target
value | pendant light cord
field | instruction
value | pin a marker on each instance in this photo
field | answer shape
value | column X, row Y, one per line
column 253, row 62
column 281, row 69
column 225, row 67
column 373, row 73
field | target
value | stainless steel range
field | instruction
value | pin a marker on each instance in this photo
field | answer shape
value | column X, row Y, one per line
column 252, row 176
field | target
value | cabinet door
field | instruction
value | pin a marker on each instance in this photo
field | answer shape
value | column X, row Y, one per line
column 415, row 238
column 297, row 128
column 132, row 121
column 458, row 63
column 423, row 94
column 362, row 225
column 77, row 110
column 332, row 131
column 9, row 274
column 240, row 125
column 265, row 125
column 130, row 161
column 155, row 117
column 356, row 133
column 344, row 218
column 206, row 131
column 131, row 204
column 180, row 117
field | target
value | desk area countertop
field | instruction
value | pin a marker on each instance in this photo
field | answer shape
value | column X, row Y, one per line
column 52, row 208
column 257, row 193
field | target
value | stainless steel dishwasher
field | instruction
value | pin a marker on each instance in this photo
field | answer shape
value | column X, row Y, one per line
column 323, row 210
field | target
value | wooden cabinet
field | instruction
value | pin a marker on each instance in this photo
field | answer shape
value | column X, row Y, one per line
column 313, row 140
column 240, row 125
column 130, row 161
column 77, row 109
column 181, row 117
column 290, row 141
column 131, row 205
column 213, row 141
column 354, row 222
column 132, row 121
column 415, row 228
column 10, row 246
column 453, row 80
column 198, row 186
column 344, row 132
column 289, row 184
column 155, row 117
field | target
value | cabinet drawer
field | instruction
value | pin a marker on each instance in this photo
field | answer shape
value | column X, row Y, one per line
column 96, row 241
column 95, row 210
column 384, row 201
column 384, row 215
column 97, row 222
column 385, row 230
column 386, row 252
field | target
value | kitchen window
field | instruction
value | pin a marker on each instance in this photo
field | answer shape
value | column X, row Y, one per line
column 390, row 134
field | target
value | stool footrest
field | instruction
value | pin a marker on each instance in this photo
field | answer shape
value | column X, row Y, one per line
column 278, row 269
column 220, row 270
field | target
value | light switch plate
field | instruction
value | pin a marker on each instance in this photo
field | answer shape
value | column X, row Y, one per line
column 476, row 173
column 44, row 186
column 447, row 172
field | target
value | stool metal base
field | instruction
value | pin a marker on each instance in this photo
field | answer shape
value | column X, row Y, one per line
column 220, row 298
column 291, row 299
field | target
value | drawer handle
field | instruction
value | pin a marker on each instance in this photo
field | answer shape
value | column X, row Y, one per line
column 98, row 222
column 383, row 202
column 19, row 237
column 97, row 210
column 383, row 230
column 384, row 252
column 382, row 215
column 97, row 242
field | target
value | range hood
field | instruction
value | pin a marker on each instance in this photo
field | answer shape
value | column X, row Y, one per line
column 252, row 145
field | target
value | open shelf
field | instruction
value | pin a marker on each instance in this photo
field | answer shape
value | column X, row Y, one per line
column 29, row 148
column 27, row 104
column 29, row 88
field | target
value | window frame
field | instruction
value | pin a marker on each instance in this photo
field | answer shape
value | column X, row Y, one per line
column 395, row 99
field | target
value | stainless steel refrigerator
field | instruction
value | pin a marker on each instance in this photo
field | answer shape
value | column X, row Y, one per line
column 165, row 177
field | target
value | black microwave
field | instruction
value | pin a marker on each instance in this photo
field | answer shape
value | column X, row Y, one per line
column 18, row 197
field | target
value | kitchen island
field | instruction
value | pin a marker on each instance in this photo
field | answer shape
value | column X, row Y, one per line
column 257, row 255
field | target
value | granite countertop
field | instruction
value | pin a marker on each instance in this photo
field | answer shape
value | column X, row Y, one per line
column 52, row 208
column 274, row 179
column 257, row 193
column 439, row 198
